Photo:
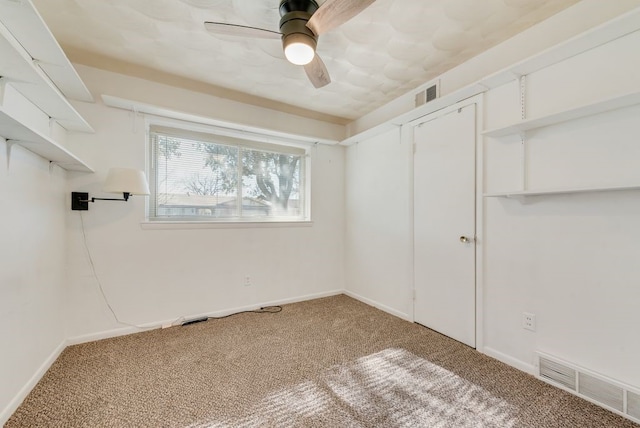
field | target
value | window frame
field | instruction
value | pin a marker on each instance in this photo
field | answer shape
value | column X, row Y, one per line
column 248, row 140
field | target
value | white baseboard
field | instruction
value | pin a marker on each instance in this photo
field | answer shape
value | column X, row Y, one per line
column 6, row 413
column 270, row 303
column 107, row 334
column 380, row 306
column 513, row 362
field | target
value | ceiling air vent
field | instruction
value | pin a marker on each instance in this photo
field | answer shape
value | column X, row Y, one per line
column 429, row 94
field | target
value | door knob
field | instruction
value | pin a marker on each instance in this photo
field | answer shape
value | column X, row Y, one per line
column 464, row 240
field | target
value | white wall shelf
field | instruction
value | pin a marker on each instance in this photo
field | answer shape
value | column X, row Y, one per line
column 609, row 104
column 562, row 191
column 20, row 124
column 34, row 113
column 25, row 23
column 22, row 70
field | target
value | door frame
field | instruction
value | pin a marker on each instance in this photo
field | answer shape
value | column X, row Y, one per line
column 407, row 135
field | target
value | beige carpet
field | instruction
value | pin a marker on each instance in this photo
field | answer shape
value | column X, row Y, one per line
column 332, row 362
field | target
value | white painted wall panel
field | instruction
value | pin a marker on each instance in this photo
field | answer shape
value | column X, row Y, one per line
column 379, row 231
column 32, row 269
column 600, row 73
column 602, row 150
column 572, row 261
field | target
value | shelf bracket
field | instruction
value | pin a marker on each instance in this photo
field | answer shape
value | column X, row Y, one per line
column 6, row 80
column 10, row 144
column 40, row 63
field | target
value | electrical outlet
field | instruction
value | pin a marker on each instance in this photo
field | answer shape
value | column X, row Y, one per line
column 247, row 281
column 529, row 321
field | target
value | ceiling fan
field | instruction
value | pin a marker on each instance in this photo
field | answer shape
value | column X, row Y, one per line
column 302, row 21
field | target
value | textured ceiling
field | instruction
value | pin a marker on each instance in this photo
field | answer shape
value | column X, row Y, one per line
column 387, row 50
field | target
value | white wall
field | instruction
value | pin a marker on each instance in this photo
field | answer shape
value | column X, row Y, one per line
column 151, row 276
column 571, row 260
column 378, row 248
column 32, row 270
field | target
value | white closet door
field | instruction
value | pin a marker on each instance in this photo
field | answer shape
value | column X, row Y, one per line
column 444, row 224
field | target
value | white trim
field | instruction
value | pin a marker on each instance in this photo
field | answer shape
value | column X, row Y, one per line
column 510, row 361
column 445, row 110
column 479, row 226
column 377, row 305
column 211, row 133
column 221, row 125
column 167, row 225
column 407, row 135
column 107, row 334
column 519, row 194
column 31, row 383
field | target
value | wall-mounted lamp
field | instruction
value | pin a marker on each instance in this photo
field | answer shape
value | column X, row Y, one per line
column 119, row 180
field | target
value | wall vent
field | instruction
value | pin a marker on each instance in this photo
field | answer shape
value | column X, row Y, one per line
column 559, row 373
column 633, row 405
column 600, row 390
column 429, row 94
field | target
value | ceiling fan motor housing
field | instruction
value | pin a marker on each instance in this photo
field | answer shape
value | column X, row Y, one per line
column 293, row 23
column 309, row 6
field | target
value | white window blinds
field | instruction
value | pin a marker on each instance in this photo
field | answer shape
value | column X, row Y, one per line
column 199, row 176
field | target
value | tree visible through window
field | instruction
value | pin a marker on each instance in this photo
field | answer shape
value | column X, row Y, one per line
column 202, row 176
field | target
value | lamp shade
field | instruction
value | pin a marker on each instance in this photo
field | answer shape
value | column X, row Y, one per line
column 126, row 180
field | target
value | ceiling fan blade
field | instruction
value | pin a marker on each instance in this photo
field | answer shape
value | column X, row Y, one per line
column 334, row 13
column 317, row 72
column 240, row 30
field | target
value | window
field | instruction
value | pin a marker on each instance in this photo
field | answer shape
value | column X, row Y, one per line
column 206, row 177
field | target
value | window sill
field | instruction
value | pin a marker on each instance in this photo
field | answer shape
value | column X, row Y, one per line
column 167, row 225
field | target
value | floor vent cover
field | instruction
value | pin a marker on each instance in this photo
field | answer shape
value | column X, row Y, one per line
column 559, row 373
column 601, row 391
column 607, row 393
column 633, row 405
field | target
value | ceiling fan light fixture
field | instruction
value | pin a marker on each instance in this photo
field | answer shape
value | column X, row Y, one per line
column 299, row 49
